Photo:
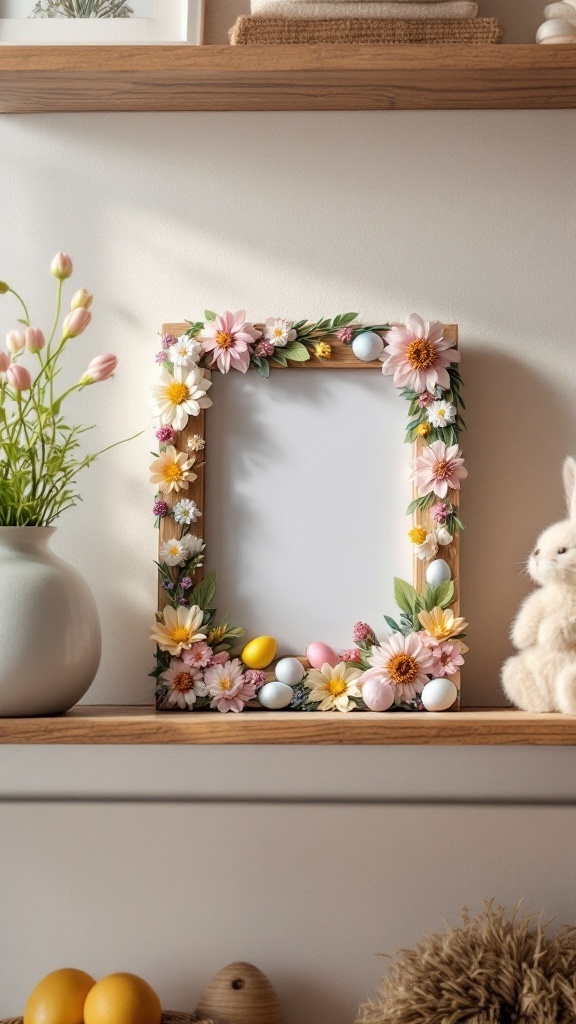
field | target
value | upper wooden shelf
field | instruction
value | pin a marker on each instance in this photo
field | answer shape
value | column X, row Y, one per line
column 138, row 725
column 46, row 79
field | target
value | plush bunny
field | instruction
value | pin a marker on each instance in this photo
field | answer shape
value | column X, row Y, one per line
column 542, row 677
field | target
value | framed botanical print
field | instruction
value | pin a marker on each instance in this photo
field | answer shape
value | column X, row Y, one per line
column 119, row 22
column 408, row 660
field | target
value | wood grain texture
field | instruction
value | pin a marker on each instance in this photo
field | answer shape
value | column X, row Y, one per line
column 46, row 79
column 143, row 726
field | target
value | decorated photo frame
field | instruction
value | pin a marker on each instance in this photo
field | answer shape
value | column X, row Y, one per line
column 203, row 663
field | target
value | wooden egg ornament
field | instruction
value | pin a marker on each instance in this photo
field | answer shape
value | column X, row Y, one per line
column 367, row 346
column 290, row 671
column 439, row 694
column 240, row 994
column 319, row 654
column 275, row 695
column 260, row 653
column 438, row 572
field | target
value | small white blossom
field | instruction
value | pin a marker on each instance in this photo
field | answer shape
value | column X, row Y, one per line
column 441, row 414
column 280, row 332
column 173, row 552
column 186, row 352
column 192, row 545
column 444, row 537
column 186, row 511
column 428, row 548
column 196, row 443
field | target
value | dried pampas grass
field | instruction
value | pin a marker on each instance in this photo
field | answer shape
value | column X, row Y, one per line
column 494, row 969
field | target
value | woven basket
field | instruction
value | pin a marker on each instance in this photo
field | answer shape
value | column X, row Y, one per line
column 364, row 30
column 167, row 1018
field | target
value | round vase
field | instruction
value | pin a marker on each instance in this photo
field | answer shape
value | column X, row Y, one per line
column 50, row 639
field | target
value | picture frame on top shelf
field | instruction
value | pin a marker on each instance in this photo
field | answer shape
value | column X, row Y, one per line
column 203, row 662
column 142, row 23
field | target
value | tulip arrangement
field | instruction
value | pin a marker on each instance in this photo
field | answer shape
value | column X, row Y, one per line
column 40, row 455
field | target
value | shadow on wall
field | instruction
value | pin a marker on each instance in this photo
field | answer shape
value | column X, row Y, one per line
column 514, row 490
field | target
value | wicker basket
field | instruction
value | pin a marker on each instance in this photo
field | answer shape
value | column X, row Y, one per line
column 167, row 1018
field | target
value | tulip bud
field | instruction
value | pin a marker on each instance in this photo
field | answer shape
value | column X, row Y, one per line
column 35, row 340
column 4, row 287
column 101, row 368
column 4, row 362
column 76, row 322
column 81, row 299
column 15, row 341
column 19, row 377
column 61, row 266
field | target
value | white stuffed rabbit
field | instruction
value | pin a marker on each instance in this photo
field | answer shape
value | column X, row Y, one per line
column 542, row 677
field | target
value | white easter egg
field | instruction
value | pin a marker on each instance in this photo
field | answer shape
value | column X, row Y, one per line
column 438, row 572
column 290, row 671
column 275, row 695
column 556, row 30
column 439, row 694
column 367, row 346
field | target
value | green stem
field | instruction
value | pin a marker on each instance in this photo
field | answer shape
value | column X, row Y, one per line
column 23, row 304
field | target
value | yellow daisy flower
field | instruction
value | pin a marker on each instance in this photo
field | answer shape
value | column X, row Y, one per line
column 171, row 471
column 442, row 623
column 323, row 350
column 333, row 687
column 178, row 631
column 417, row 535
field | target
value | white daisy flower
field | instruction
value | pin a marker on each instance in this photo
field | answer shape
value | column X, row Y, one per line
column 428, row 548
column 441, row 414
column 280, row 332
column 186, row 352
column 173, row 552
column 186, row 511
column 192, row 545
column 179, row 396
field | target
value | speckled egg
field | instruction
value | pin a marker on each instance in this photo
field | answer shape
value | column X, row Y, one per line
column 367, row 346
column 439, row 694
column 290, row 671
column 260, row 653
column 319, row 654
column 438, row 572
column 275, row 695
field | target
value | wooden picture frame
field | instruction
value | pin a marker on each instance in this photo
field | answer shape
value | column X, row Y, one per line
column 174, row 21
column 429, row 605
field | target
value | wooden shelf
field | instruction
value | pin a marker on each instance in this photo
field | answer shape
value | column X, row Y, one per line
column 138, row 725
column 46, row 79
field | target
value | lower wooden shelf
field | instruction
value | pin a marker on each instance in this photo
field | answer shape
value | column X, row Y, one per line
column 142, row 725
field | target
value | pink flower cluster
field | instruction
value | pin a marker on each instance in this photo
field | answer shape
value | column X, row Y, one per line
column 440, row 512
column 200, row 673
column 362, row 632
column 351, row 654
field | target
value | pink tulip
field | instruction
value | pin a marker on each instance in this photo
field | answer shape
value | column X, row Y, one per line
column 81, row 299
column 61, row 266
column 101, row 368
column 76, row 322
column 15, row 341
column 35, row 340
column 4, row 362
column 19, row 377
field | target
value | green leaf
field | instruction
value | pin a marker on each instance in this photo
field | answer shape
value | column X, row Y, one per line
column 263, row 368
column 422, row 503
column 209, row 315
column 345, row 318
column 405, row 595
column 205, row 591
column 441, row 596
column 393, row 625
column 296, row 352
column 279, row 357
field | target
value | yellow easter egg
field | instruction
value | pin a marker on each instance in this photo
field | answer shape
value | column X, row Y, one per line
column 59, row 998
column 260, row 653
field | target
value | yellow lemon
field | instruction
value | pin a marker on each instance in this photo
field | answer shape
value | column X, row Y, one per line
column 122, row 999
column 59, row 998
column 259, row 653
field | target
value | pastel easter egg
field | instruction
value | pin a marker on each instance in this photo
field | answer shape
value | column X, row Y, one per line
column 275, row 695
column 377, row 694
column 319, row 654
column 439, row 694
column 367, row 346
column 260, row 653
column 290, row 671
column 438, row 572
column 556, row 30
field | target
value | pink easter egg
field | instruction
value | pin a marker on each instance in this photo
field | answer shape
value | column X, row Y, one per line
column 320, row 654
column 377, row 694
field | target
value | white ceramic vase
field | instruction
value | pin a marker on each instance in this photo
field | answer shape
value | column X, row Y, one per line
column 50, row 641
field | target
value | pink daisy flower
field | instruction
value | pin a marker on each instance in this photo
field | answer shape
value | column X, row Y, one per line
column 418, row 354
column 199, row 655
column 228, row 687
column 438, row 468
column 446, row 657
column 403, row 662
column 184, row 684
column 229, row 338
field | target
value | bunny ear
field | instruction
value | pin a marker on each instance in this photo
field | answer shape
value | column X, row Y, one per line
column 569, row 475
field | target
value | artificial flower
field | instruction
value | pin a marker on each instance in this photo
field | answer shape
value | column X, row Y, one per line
column 19, row 377
column 15, row 341
column 61, row 266
column 228, row 686
column 427, row 548
column 35, row 340
column 418, row 354
column 185, row 352
column 171, row 471
column 167, row 340
column 193, row 545
column 162, row 357
column 444, row 537
column 100, row 368
column 254, row 676
column 228, row 338
column 166, row 435
column 351, row 654
column 196, row 443
column 438, row 468
column 179, row 396
column 184, row 685
column 178, row 631
column 215, row 635
column 401, row 661
column 4, row 362
column 76, row 323
column 423, row 429
column 441, row 414
column 264, row 349
column 441, row 623
column 279, row 332
column 345, row 335
column 199, row 654
column 363, row 632
column 161, row 509
column 440, row 512
column 323, row 350
column 333, row 687
column 186, row 511
column 446, row 658
column 81, row 299
column 425, row 399
column 417, row 535
column 183, row 601
column 221, row 658
column 173, row 552
column 187, row 583
column 168, row 585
